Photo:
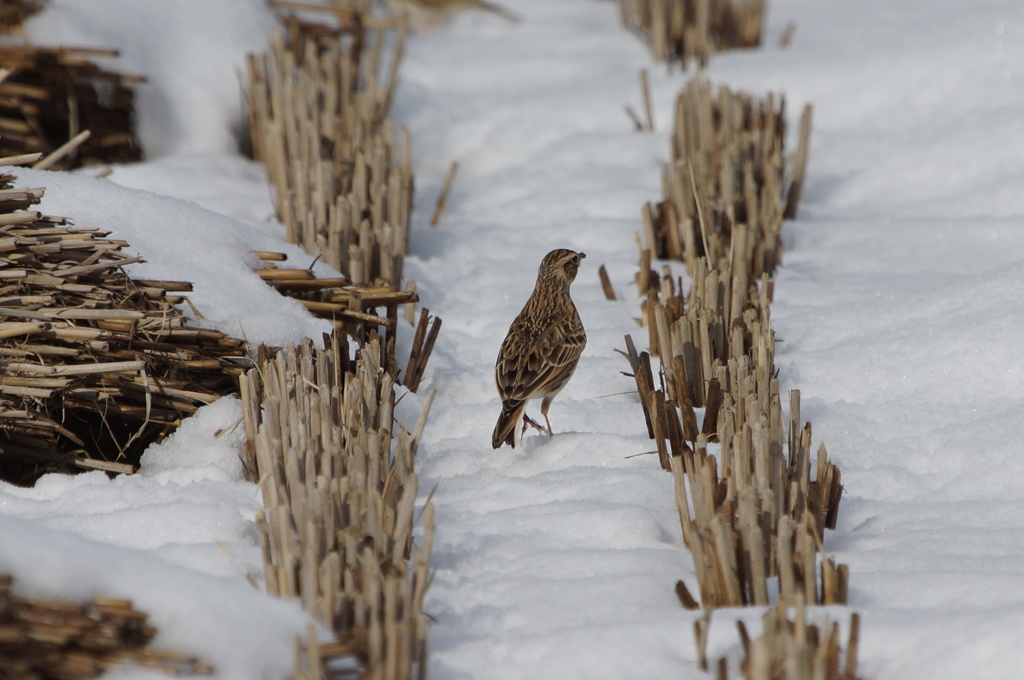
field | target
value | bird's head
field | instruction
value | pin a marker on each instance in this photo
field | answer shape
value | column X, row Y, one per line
column 560, row 264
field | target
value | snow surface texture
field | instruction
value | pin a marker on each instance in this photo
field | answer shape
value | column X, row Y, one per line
column 899, row 305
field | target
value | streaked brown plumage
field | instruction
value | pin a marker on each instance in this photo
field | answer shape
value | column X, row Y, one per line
column 542, row 347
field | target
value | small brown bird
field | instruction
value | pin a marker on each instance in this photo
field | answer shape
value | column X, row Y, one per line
column 542, row 347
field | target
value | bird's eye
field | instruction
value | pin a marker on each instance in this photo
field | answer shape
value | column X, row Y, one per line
column 575, row 259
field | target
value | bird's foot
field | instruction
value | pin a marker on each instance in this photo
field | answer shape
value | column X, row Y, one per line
column 527, row 420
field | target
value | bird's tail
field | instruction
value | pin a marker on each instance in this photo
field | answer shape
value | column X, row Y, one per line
column 508, row 423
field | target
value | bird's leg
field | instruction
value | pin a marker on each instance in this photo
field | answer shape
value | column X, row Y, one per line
column 527, row 420
column 544, row 412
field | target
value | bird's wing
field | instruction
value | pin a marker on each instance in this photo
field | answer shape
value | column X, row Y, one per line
column 529, row 359
column 563, row 345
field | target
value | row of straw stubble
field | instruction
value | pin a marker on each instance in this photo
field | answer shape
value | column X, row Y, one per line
column 753, row 517
column 342, row 183
column 339, row 491
column 340, row 172
column 335, row 469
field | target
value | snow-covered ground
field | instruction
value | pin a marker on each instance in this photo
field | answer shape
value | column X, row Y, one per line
column 900, row 303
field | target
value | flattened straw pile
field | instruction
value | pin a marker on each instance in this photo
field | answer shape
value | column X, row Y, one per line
column 684, row 30
column 339, row 493
column 52, row 95
column 68, row 641
column 14, row 12
column 728, row 181
column 93, row 365
column 342, row 184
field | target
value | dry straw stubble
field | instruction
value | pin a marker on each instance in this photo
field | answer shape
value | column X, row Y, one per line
column 752, row 514
column 342, row 182
column 729, row 181
column 338, row 483
column 339, row 492
column 692, row 30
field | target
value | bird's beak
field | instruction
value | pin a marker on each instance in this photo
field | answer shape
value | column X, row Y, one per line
column 582, row 255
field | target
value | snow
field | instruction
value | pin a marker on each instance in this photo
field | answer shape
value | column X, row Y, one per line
column 192, row 52
column 899, row 306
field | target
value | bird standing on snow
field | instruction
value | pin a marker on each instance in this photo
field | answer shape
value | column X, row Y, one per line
column 542, row 347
